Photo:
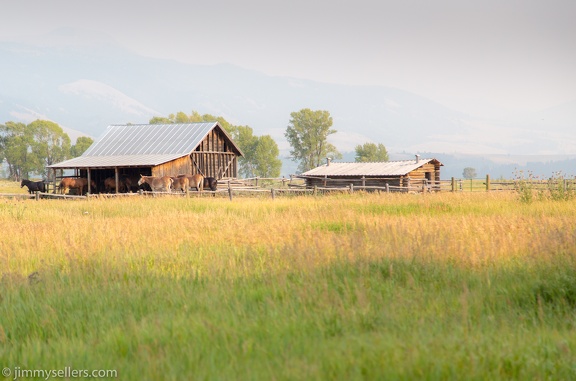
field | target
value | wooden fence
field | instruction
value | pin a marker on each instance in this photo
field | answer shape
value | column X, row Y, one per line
column 274, row 187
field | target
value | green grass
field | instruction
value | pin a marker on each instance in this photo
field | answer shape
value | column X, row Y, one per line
column 405, row 287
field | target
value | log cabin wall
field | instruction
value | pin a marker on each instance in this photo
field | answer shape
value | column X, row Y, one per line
column 426, row 171
column 339, row 182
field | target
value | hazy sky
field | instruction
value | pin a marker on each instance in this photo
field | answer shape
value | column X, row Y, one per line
column 485, row 57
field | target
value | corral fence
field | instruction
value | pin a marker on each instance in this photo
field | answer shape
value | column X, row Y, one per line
column 274, row 187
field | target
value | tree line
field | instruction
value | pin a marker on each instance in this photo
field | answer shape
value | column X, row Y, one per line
column 28, row 149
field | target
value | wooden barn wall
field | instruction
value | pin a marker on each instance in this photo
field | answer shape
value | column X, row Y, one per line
column 215, row 164
column 173, row 168
column 214, row 158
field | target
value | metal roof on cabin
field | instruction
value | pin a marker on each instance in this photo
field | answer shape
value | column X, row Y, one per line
column 143, row 145
column 388, row 168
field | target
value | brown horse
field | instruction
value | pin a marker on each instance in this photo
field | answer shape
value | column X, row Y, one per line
column 81, row 184
column 196, row 181
column 180, row 183
column 211, row 182
column 126, row 183
column 157, row 183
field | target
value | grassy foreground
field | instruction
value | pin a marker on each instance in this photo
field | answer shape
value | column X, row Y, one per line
column 427, row 287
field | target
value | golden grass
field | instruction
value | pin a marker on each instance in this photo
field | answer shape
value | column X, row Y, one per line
column 246, row 236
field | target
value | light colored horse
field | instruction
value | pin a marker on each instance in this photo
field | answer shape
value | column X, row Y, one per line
column 157, row 184
column 196, row 181
column 180, row 183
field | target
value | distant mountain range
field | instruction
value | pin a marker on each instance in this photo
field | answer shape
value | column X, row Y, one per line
column 85, row 83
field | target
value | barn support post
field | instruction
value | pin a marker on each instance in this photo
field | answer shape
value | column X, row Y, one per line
column 54, row 177
column 89, row 182
column 116, row 178
column 487, row 183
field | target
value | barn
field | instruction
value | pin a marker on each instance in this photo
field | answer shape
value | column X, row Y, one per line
column 157, row 150
column 401, row 175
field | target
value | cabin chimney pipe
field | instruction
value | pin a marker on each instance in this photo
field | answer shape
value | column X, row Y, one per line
column 328, row 159
column 417, row 158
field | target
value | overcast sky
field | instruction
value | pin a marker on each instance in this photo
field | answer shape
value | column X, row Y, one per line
column 485, row 57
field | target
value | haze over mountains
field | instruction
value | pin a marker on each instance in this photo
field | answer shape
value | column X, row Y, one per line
column 86, row 82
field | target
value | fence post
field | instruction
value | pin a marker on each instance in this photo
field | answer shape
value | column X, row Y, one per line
column 315, row 190
column 256, row 180
column 487, row 183
column 363, row 181
column 37, row 196
column 229, row 191
column 387, row 188
column 272, row 191
column 453, row 184
column 351, row 188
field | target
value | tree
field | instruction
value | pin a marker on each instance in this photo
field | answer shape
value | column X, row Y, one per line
column 50, row 145
column 15, row 142
column 370, row 152
column 469, row 173
column 82, row 144
column 266, row 162
column 307, row 134
column 244, row 137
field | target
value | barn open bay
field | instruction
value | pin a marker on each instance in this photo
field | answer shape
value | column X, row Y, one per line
column 362, row 286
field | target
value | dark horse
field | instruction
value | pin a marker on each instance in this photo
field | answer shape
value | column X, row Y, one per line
column 34, row 186
column 210, row 182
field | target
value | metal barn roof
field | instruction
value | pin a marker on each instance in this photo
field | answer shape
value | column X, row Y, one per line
column 388, row 168
column 143, row 145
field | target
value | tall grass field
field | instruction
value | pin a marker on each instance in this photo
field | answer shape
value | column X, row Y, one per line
column 447, row 286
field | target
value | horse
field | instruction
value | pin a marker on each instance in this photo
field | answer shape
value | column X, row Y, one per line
column 180, row 183
column 125, row 184
column 33, row 186
column 210, row 182
column 80, row 183
column 196, row 181
column 157, row 183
